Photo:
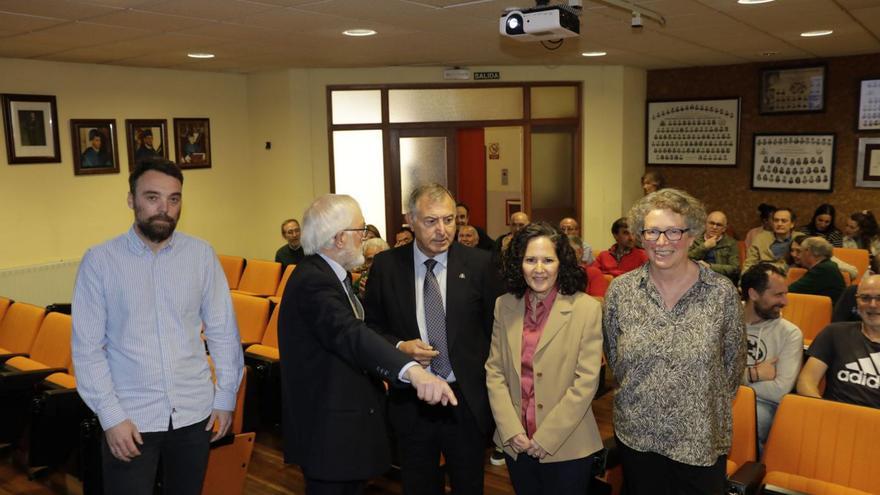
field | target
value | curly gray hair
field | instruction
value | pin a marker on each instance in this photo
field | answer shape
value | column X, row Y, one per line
column 674, row 200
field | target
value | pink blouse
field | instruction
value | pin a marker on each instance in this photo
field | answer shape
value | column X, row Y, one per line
column 533, row 327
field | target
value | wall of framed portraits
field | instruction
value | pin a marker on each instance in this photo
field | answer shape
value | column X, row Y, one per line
column 51, row 213
column 799, row 137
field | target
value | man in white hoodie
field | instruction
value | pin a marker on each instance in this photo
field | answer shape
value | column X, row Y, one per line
column 776, row 345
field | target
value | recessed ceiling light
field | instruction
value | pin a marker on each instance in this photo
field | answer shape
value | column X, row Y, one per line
column 200, row 55
column 594, row 54
column 359, row 32
column 752, row 2
column 818, row 32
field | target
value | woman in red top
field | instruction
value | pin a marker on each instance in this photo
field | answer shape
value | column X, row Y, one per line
column 543, row 367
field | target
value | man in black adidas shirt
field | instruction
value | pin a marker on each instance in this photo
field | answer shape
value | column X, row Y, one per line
column 847, row 354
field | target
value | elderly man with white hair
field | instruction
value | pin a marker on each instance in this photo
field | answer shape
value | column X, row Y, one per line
column 333, row 364
column 823, row 276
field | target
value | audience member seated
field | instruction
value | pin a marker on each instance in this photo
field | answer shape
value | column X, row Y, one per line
column 715, row 249
column 623, row 255
column 862, row 232
column 462, row 218
column 596, row 282
column 765, row 212
column 823, row 277
column 772, row 247
column 847, row 354
column 372, row 232
column 468, row 236
column 370, row 249
column 776, row 345
column 652, row 181
column 292, row 252
column 823, row 224
column 569, row 226
column 517, row 221
column 794, row 257
column 403, row 237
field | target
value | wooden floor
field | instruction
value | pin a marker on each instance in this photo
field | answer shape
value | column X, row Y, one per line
column 267, row 474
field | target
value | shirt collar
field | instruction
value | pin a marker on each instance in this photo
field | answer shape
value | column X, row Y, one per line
column 341, row 273
column 138, row 246
column 420, row 257
column 706, row 275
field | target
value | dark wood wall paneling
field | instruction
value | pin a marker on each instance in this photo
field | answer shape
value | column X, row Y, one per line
column 729, row 188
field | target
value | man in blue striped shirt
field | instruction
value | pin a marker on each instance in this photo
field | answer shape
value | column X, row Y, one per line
column 139, row 305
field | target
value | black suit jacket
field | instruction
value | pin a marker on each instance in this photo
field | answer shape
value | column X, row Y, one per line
column 471, row 290
column 331, row 370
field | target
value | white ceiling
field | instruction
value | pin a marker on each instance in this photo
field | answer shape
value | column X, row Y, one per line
column 257, row 35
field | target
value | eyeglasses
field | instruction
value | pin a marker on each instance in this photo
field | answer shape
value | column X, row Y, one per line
column 671, row 234
column 362, row 230
column 868, row 298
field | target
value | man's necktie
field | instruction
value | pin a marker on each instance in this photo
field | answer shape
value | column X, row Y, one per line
column 355, row 303
column 435, row 322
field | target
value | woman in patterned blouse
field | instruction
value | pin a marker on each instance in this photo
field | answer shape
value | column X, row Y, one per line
column 676, row 342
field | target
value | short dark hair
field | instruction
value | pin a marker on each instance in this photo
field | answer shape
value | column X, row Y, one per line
column 289, row 220
column 406, row 229
column 570, row 278
column 156, row 163
column 785, row 208
column 619, row 224
column 766, row 210
column 461, row 204
column 758, row 277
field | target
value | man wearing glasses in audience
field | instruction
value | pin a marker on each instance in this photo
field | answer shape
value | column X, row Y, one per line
column 292, row 252
column 847, row 354
column 716, row 250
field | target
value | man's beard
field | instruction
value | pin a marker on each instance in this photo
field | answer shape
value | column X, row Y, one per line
column 351, row 257
column 768, row 313
column 157, row 231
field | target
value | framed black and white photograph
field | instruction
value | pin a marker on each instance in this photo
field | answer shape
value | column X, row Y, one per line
column 693, row 132
column 94, row 146
column 868, row 163
column 869, row 105
column 795, row 162
column 192, row 142
column 31, row 129
column 146, row 139
column 793, row 90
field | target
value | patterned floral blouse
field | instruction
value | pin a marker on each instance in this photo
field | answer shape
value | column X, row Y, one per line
column 678, row 369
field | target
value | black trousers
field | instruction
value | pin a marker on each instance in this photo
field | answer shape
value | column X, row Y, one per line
column 452, row 431
column 320, row 487
column 653, row 474
column 184, row 456
column 530, row 477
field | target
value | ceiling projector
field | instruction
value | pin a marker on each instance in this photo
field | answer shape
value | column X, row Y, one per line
column 548, row 22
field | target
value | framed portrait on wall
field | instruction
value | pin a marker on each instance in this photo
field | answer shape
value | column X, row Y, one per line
column 31, row 129
column 693, row 132
column 793, row 90
column 192, row 142
column 94, row 146
column 794, row 162
column 868, row 163
column 869, row 105
column 145, row 139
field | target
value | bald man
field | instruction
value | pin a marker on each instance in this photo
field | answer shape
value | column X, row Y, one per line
column 468, row 236
column 517, row 221
column 569, row 226
column 715, row 249
column 847, row 354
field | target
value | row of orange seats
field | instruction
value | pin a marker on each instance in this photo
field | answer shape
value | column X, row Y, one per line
column 255, row 277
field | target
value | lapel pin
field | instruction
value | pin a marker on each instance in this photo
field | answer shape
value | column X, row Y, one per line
column 461, row 275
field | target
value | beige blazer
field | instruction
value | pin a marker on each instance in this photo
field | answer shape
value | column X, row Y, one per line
column 566, row 367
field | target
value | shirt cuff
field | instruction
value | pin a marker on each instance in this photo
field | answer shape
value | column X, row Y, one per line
column 224, row 401
column 406, row 367
column 111, row 417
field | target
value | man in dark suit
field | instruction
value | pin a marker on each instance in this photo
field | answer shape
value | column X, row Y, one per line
column 332, row 364
column 434, row 299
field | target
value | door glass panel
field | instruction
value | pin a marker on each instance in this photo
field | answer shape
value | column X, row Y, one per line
column 422, row 160
column 552, row 176
column 357, row 107
column 358, row 164
column 443, row 105
column 548, row 102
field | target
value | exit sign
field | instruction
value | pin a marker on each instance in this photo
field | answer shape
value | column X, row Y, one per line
column 484, row 76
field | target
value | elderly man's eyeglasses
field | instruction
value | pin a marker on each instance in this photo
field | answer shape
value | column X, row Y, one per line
column 671, row 234
column 362, row 230
column 868, row 298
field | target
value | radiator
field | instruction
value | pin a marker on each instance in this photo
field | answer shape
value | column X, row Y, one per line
column 42, row 284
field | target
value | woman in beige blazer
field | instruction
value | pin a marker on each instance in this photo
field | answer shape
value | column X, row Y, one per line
column 543, row 367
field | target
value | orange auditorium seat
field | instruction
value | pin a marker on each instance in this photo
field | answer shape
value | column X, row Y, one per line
column 19, row 328
column 268, row 348
column 5, row 302
column 280, row 292
column 260, row 278
column 232, row 267
column 859, row 258
column 823, row 447
column 794, row 274
column 252, row 315
column 809, row 312
column 741, row 245
column 744, row 447
column 51, row 347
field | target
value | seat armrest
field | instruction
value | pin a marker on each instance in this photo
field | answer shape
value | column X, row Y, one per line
column 747, row 479
column 17, row 380
column 778, row 490
column 7, row 357
column 227, row 439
